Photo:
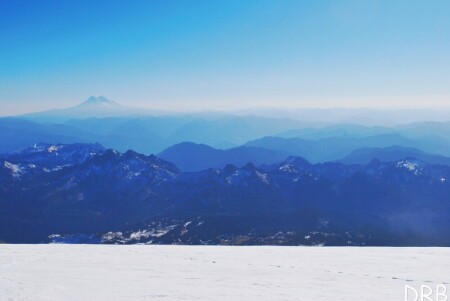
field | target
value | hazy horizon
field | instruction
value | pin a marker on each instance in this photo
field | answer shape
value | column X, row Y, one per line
column 256, row 109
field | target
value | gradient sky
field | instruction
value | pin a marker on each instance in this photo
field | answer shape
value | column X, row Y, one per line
column 225, row 54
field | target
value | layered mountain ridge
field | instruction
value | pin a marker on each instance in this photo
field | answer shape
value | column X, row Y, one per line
column 85, row 193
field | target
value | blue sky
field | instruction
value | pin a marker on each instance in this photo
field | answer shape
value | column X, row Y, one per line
column 224, row 54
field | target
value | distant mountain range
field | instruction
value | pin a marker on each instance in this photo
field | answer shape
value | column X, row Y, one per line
column 155, row 134
column 85, row 193
column 100, row 120
column 190, row 156
column 68, row 175
column 393, row 153
column 336, row 148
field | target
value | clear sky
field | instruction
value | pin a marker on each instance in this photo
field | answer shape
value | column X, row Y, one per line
column 224, row 54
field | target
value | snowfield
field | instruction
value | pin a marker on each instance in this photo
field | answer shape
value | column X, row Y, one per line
column 138, row 272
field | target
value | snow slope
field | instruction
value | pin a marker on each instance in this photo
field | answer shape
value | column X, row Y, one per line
column 138, row 272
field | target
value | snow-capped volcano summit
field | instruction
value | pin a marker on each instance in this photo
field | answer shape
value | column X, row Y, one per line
column 98, row 105
column 99, row 102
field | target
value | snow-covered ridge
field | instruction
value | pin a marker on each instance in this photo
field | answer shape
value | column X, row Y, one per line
column 55, row 156
column 116, row 194
column 409, row 165
column 16, row 170
column 288, row 168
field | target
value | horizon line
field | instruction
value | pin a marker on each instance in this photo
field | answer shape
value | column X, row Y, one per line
column 236, row 110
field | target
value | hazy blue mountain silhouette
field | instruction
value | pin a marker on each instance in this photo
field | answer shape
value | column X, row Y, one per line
column 335, row 148
column 115, row 126
column 393, row 153
column 190, row 156
column 149, row 134
column 334, row 131
column 17, row 133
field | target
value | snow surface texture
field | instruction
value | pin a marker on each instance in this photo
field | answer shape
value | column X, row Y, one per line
column 93, row 272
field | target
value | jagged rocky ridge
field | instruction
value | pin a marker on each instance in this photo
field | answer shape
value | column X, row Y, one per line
column 85, row 193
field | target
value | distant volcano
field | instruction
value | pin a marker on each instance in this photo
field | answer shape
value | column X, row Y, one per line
column 98, row 102
column 94, row 106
